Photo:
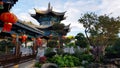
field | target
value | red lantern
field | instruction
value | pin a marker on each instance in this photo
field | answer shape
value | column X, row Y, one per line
column 39, row 42
column 7, row 27
column 24, row 37
column 1, row 5
column 8, row 17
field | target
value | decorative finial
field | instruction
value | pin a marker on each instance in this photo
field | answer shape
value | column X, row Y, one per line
column 49, row 6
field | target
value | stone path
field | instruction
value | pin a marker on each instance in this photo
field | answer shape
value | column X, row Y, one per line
column 28, row 64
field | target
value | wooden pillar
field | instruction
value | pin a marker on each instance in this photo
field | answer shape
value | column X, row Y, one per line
column 6, row 49
column 17, row 48
column 34, row 46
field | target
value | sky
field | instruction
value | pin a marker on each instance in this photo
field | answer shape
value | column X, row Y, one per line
column 74, row 9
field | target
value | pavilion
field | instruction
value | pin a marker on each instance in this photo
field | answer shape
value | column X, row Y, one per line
column 47, row 18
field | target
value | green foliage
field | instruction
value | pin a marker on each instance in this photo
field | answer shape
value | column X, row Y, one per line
column 37, row 64
column 115, row 49
column 54, row 38
column 65, row 61
column 49, row 52
column 78, row 53
column 60, row 51
column 81, row 40
column 59, row 28
column 70, row 37
column 52, row 43
column 66, row 40
column 5, row 43
column 102, row 29
column 83, row 56
column 87, row 57
column 70, row 44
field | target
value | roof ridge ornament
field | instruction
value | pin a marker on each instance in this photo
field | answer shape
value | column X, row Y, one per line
column 49, row 7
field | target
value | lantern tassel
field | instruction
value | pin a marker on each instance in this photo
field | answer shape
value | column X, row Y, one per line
column 7, row 27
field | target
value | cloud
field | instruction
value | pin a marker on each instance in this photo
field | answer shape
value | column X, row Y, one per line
column 110, row 6
column 74, row 11
column 27, row 18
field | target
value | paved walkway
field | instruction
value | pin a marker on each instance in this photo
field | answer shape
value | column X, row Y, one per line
column 28, row 64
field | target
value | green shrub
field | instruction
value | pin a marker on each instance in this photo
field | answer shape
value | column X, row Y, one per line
column 4, row 44
column 70, row 44
column 52, row 43
column 49, row 52
column 87, row 57
column 83, row 56
column 37, row 64
column 65, row 61
column 81, row 40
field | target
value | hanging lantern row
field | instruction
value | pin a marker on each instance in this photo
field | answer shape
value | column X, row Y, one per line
column 1, row 5
column 8, row 19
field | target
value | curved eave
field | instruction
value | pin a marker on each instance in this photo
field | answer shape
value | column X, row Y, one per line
column 61, row 17
column 11, row 2
column 50, row 11
column 43, row 27
column 29, row 28
column 54, row 13
column 7, row 5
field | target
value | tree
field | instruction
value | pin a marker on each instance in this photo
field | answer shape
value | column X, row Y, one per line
column 66, row 40
column 100, row 31
column 52, row 43
column 81, row 40
column 60, row 29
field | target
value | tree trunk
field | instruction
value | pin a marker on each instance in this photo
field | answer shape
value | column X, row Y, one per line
column 99, row 52
column 60, row 42
column 88, row 40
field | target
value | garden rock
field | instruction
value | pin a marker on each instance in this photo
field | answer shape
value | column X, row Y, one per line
column 49, row 65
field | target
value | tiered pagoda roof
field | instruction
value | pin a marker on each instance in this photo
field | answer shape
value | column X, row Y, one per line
column 49, row 11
